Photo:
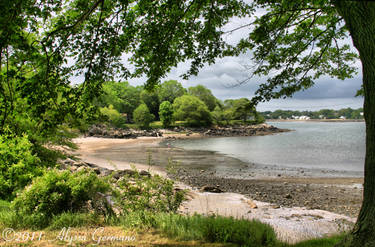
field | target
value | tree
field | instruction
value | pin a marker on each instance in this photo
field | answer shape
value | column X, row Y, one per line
column 114, row 117
column 142, row 116
column 122, row 96
column 205, row 95
column 192, row 110
column 243, row 109
column 166, row 113
column 170, row 90
column 44, row 44
column 297, row 42
column 151, row 99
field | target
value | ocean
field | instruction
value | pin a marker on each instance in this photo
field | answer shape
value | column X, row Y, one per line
column 338, row 146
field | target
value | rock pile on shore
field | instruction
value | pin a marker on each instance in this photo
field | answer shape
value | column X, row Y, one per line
column 250, row 130
column 241, row 130
column 109, row 132
column 73, row 165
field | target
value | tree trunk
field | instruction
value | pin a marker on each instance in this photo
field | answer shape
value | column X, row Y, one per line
column 359, row 17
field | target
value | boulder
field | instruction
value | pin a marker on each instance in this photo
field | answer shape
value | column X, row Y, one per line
column 120, row 173
column 212, row 189
column 145, row 173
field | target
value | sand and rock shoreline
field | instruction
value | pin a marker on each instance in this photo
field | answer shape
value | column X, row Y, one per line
column 297, row 205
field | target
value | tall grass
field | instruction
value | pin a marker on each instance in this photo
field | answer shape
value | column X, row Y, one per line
column 214, row 229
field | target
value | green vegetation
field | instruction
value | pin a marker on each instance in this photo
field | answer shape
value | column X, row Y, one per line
column 18, row 165
column 115, row 103
column 205, row 95
column 58, row 192
column 208, row 229
column 170, row 90
column 44, row 44
column 166, row 113
column 192, row 110
column 347, row 113
column 113, row 116
column 147, row 193
column 142, row 116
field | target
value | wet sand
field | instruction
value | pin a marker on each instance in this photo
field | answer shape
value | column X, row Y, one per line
column 296, row 202
column 313, row 189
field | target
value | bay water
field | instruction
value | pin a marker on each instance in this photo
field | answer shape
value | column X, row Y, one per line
column 338, row 146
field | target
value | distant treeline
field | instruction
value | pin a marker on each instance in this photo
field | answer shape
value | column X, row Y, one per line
column 345, row 113
column 122, row 104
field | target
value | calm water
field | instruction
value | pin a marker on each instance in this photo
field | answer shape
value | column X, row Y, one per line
column 321, row 145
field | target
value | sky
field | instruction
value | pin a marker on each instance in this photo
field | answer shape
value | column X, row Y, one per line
column 221, row 77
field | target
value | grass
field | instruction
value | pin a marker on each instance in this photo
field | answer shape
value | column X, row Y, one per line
column 163, row 229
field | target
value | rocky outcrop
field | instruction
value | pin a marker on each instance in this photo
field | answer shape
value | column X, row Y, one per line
column 76, row 166
column 250, row 130
column 109, row 132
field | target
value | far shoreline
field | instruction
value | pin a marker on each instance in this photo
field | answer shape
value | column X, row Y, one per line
column 318, row 120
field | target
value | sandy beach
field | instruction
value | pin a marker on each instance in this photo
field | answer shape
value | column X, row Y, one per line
column 297, row 205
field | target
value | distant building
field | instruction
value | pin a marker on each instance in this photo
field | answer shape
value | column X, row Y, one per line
column 301, row 117
column 304, row 118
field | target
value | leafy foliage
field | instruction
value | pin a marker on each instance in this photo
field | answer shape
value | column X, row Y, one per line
column 296, row 43
column 59, row 191
column 192, row 110
column 151, row 99
column 142, row 116
column 170, row 90
column 166, row 113
column 123, row 97
column 18, row 165
column 205, row 95
column 152, row 194
column 114, row 117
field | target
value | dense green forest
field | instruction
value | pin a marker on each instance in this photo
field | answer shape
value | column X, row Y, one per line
column 122, row 104
column 345, row 113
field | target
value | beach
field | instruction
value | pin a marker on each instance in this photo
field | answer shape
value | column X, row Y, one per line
column 313, row 206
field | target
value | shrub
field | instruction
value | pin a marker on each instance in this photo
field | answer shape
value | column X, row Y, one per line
column 154, row 194
column 192, row 110
column 18, row 165
column 142, row 116
column 114, row 117
column 59, row 191
column 166, row 113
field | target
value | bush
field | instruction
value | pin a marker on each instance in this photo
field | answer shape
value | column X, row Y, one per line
column 153, row 194
column 114, row 117
column 166, row 113
column 142, row 116
column 18, row 165
column 192, row 110
column 57, row 192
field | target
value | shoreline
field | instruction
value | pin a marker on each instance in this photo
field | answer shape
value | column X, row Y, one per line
column 318, row 120
column 297, row 207
column 196, row 168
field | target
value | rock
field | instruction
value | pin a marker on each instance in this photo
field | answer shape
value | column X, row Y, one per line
column 211, row 189
column 145, row 173
column 121, row 173
column 73, row 168
column 81, row 168
column 69, row 162
column 288, row 196
column 96, row 170
column 252, row 204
